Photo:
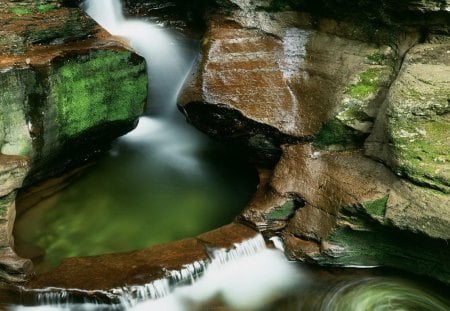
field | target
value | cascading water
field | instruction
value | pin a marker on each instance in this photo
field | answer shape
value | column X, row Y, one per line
column 167, row 67
column 233, row 274
column 162, row 182
column 249, row 275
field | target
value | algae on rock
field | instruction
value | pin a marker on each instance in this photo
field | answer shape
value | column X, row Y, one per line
column 412, row 131
column 63, row 99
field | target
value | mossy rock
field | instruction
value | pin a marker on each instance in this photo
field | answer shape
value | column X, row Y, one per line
column 17, row 86
column 79, row 101
column 360, row 240
column 360, row 103
column 412, row 134
column 99, row 87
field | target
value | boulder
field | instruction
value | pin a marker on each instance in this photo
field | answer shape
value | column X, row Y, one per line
column 354, row 212
column 284, row 81
column 411, row 135
column 68, row 89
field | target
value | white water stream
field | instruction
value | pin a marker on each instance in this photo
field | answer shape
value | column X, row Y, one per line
column 235, row 275
column 248, row 276
column 245, row 277
column 169, row 58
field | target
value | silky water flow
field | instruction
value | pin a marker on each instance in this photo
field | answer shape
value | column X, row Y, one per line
column 248, row 276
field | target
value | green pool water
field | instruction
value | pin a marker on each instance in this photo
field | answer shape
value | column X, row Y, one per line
column 161, row 183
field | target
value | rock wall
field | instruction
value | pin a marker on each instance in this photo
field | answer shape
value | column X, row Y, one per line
column 359, row 113
column 67, row 90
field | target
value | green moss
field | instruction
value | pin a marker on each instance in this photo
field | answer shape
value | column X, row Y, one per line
column 15, row 86
column 283, row 212
column 106, row 86
column 368, row 84
column 377, row 207
column 364, row 241
column 44, row 8
column 335, row 132
column 422, row 149
column 20, row 11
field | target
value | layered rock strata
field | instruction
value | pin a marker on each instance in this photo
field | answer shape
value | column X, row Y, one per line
column 362, row 178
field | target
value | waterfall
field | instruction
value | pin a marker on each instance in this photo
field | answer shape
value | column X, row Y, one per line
column 167, row 62
column 246, row 275
column 169, row 57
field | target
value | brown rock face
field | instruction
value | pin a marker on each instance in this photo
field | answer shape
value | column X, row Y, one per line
column 107, row 272
column 293, row 83
column 352, row 204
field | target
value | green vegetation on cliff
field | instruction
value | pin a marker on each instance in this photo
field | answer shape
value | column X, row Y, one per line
column 283, row 212
column 336, row 133
column 422, row 149
column 369, row 82
column 104, row 86
column 377, row 207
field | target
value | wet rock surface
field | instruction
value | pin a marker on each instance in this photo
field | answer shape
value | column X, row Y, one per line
column 65, row 96
column 412, row 133
column 349, row 198
column 307, row 78
column 281, row 81
column 107, row 272
column 13, row 170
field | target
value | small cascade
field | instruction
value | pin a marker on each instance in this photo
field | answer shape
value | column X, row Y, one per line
column 195, row 282
column 130, row 296
column 244, row 249
column 169, row 57
column 168, row 62
column 190, row 273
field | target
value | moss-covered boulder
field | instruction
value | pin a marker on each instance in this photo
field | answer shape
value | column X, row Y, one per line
column 413, row 129
column 79, row 99
column 354, row 212
column 23, row 26
column 64, row 98
column 290, row 74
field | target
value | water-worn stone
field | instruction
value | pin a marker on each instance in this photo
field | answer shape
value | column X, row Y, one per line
column 13, row 170
column 107, row 272
column 279, row 81
column 349, row 198
column 411, row 135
